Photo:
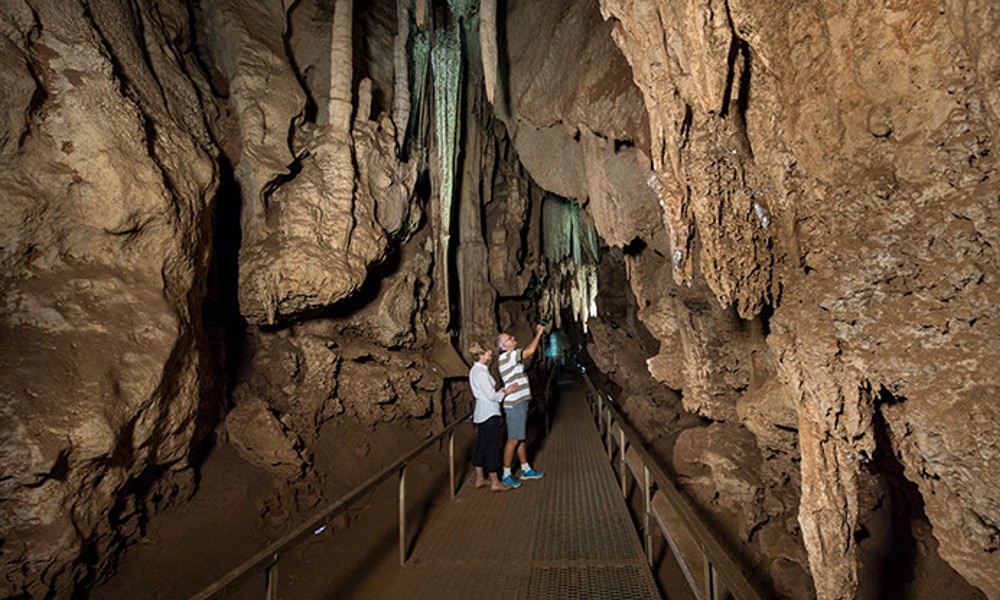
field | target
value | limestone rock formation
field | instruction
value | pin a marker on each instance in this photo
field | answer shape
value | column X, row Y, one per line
column 104, row 272
column 310, row 236
column 262, row 440
column 789, row 211
column 306, row 377
column 758, row 201
column 576, row 120
column 712, row 464
column 244, row 41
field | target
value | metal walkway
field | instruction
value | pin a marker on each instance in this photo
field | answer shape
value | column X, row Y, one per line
column 567, row 536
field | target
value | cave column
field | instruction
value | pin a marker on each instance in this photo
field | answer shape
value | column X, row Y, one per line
column 446, row 70
column 341, row 70
column 835, row 438
column 477, row 296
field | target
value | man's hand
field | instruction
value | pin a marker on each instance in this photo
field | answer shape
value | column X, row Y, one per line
column 530, row 348
column 510, row 389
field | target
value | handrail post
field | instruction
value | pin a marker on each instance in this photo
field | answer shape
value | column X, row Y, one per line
column 711, row 589
column 601, row 419
column 607, row 435
column 271, row 580
column 646, row 522
column 451, row 462
column 402, row 515
column 547, row 407
column 622, row 462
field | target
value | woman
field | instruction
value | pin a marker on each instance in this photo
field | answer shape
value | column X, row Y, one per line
column 487, row 418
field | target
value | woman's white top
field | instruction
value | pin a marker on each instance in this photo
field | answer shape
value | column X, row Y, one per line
column 484, row 388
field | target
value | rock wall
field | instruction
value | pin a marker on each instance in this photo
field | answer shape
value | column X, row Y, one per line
column 109, row 171
column 832, row 164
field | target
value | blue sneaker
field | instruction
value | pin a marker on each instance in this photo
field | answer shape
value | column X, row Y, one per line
column 509, row 481
column 532, row 474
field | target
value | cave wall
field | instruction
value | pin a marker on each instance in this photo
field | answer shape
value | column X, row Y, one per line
column 832, row 166
column 108, row 182
column 359, row 303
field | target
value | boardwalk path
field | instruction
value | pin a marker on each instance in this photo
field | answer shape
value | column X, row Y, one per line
column 568, row 535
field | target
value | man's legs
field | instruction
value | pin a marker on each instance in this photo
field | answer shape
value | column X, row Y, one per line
column 508, row 458
column 522, row 453
column 516, row 424
column 508, row 452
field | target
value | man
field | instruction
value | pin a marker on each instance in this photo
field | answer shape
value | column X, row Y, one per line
column 515, row 405
column 487, row 418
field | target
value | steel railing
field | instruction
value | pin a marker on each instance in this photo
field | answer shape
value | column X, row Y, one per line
column 688, row 537
column 268, row 558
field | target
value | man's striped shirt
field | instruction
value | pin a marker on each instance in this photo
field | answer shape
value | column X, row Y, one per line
column 512, row 371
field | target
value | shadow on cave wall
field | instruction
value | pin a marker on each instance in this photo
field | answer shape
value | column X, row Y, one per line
column 225, row 327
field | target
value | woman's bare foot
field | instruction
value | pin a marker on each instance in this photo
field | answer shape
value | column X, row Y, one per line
column 499, row 487
column 481, row 483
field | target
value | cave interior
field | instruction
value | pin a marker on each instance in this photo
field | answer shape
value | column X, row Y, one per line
column 247, row 245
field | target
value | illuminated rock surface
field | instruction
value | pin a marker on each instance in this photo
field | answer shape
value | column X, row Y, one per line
column 232, row 223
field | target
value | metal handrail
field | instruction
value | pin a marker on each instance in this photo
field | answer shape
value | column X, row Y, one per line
column 268, row 557
column 719, row 564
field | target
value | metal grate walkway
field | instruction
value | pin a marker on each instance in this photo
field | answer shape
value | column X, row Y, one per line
column 567, row 536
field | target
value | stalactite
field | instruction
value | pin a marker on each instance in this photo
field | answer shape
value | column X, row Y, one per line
column 401, row 81
column 341, row 70
column 571, row 249
column 446, row 62
column 420, row 55
column 420, row 13
column 477, row 298
column 488, row 42
column 461, row 9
